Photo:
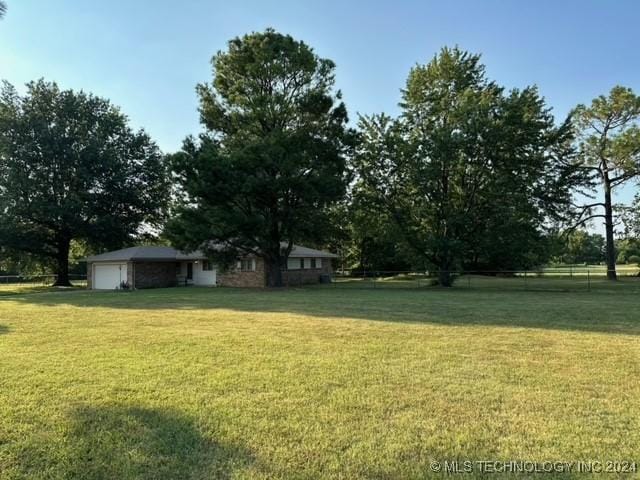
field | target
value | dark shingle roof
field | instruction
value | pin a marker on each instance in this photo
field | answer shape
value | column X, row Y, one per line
column 168, row 254
column 299, row 251
column 145, row 253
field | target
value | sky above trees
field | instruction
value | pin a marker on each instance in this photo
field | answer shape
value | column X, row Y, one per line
column 148, row 57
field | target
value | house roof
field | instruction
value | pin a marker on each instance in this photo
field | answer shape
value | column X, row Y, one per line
column 298, row 251
column 146, row 253
column 167, row 254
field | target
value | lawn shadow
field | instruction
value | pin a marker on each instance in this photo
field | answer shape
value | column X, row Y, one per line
column 141, row 443
column 596, row 311
column 4, row 329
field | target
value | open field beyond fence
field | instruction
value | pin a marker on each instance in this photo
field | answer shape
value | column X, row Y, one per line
column 577, row 278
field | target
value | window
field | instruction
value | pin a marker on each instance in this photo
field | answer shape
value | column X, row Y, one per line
column 247, row 265
column 206, row 266
column 302, row 264
column 313, row 263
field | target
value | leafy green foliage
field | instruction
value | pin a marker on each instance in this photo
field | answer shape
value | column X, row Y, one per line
column 72, row 169
column 628, row 250
column 469, row 174
column 273, row 158
column 630, row 217
column 579, row 246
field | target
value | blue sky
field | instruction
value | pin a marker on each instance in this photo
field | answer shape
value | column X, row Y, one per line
column 147, row 56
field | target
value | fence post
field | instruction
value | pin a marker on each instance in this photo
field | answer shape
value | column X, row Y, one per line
column 525, row 279
column 588, row 280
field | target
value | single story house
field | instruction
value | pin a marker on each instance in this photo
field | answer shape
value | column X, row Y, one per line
column 156, row 266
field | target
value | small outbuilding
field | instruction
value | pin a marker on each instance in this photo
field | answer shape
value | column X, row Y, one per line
column 159, row 266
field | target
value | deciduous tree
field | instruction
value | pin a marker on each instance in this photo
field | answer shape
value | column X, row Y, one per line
column 468, row 171
column 72, row 169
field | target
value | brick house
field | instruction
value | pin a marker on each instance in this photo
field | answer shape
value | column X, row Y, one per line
column 157, row 267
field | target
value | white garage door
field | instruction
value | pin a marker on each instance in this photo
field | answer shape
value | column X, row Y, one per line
column 109, row 277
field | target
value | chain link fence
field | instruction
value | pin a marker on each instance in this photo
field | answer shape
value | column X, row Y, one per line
column 571, row 278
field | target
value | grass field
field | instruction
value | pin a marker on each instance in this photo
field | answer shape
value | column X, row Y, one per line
column 36, row 286
column 311, row 383
column 554, row 282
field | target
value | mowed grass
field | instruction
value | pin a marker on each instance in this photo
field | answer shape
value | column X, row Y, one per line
column 557, row 282
column 313, row 383
column 34, row 287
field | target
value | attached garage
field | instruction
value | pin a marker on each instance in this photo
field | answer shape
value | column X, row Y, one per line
column 109, row 276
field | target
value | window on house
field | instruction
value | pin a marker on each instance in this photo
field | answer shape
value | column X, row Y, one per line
column 247, row 265
column 302, row 264
column 313, row 263
column 206, row 266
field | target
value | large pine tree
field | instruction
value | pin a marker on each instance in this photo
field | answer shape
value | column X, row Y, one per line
column 272, row 158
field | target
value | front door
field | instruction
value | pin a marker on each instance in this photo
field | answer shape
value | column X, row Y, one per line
column 189, row 271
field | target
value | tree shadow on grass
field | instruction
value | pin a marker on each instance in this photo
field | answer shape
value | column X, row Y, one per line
column 4, row 329
column 141, row 443
column 604, row 312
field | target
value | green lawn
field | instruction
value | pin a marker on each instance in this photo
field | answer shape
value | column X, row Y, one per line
column 595, row 270
column 529, row 282
column 37, row 286
column 315, row 383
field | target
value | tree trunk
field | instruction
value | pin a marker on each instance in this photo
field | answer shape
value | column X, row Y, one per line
column 273, row 270
column 608, row 224
column 445, row 279
column 62, row 260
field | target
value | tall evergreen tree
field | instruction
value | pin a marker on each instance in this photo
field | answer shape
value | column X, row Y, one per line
column 272, row 158
column 72, row 169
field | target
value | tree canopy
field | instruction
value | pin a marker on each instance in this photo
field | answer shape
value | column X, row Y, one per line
column 469, row 173
column 72, row 169
column 272, row 158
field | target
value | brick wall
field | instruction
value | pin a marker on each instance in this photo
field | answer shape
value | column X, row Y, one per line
column 308, row 275
column 130, row 273
column 236, row 278
column 152, row 274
